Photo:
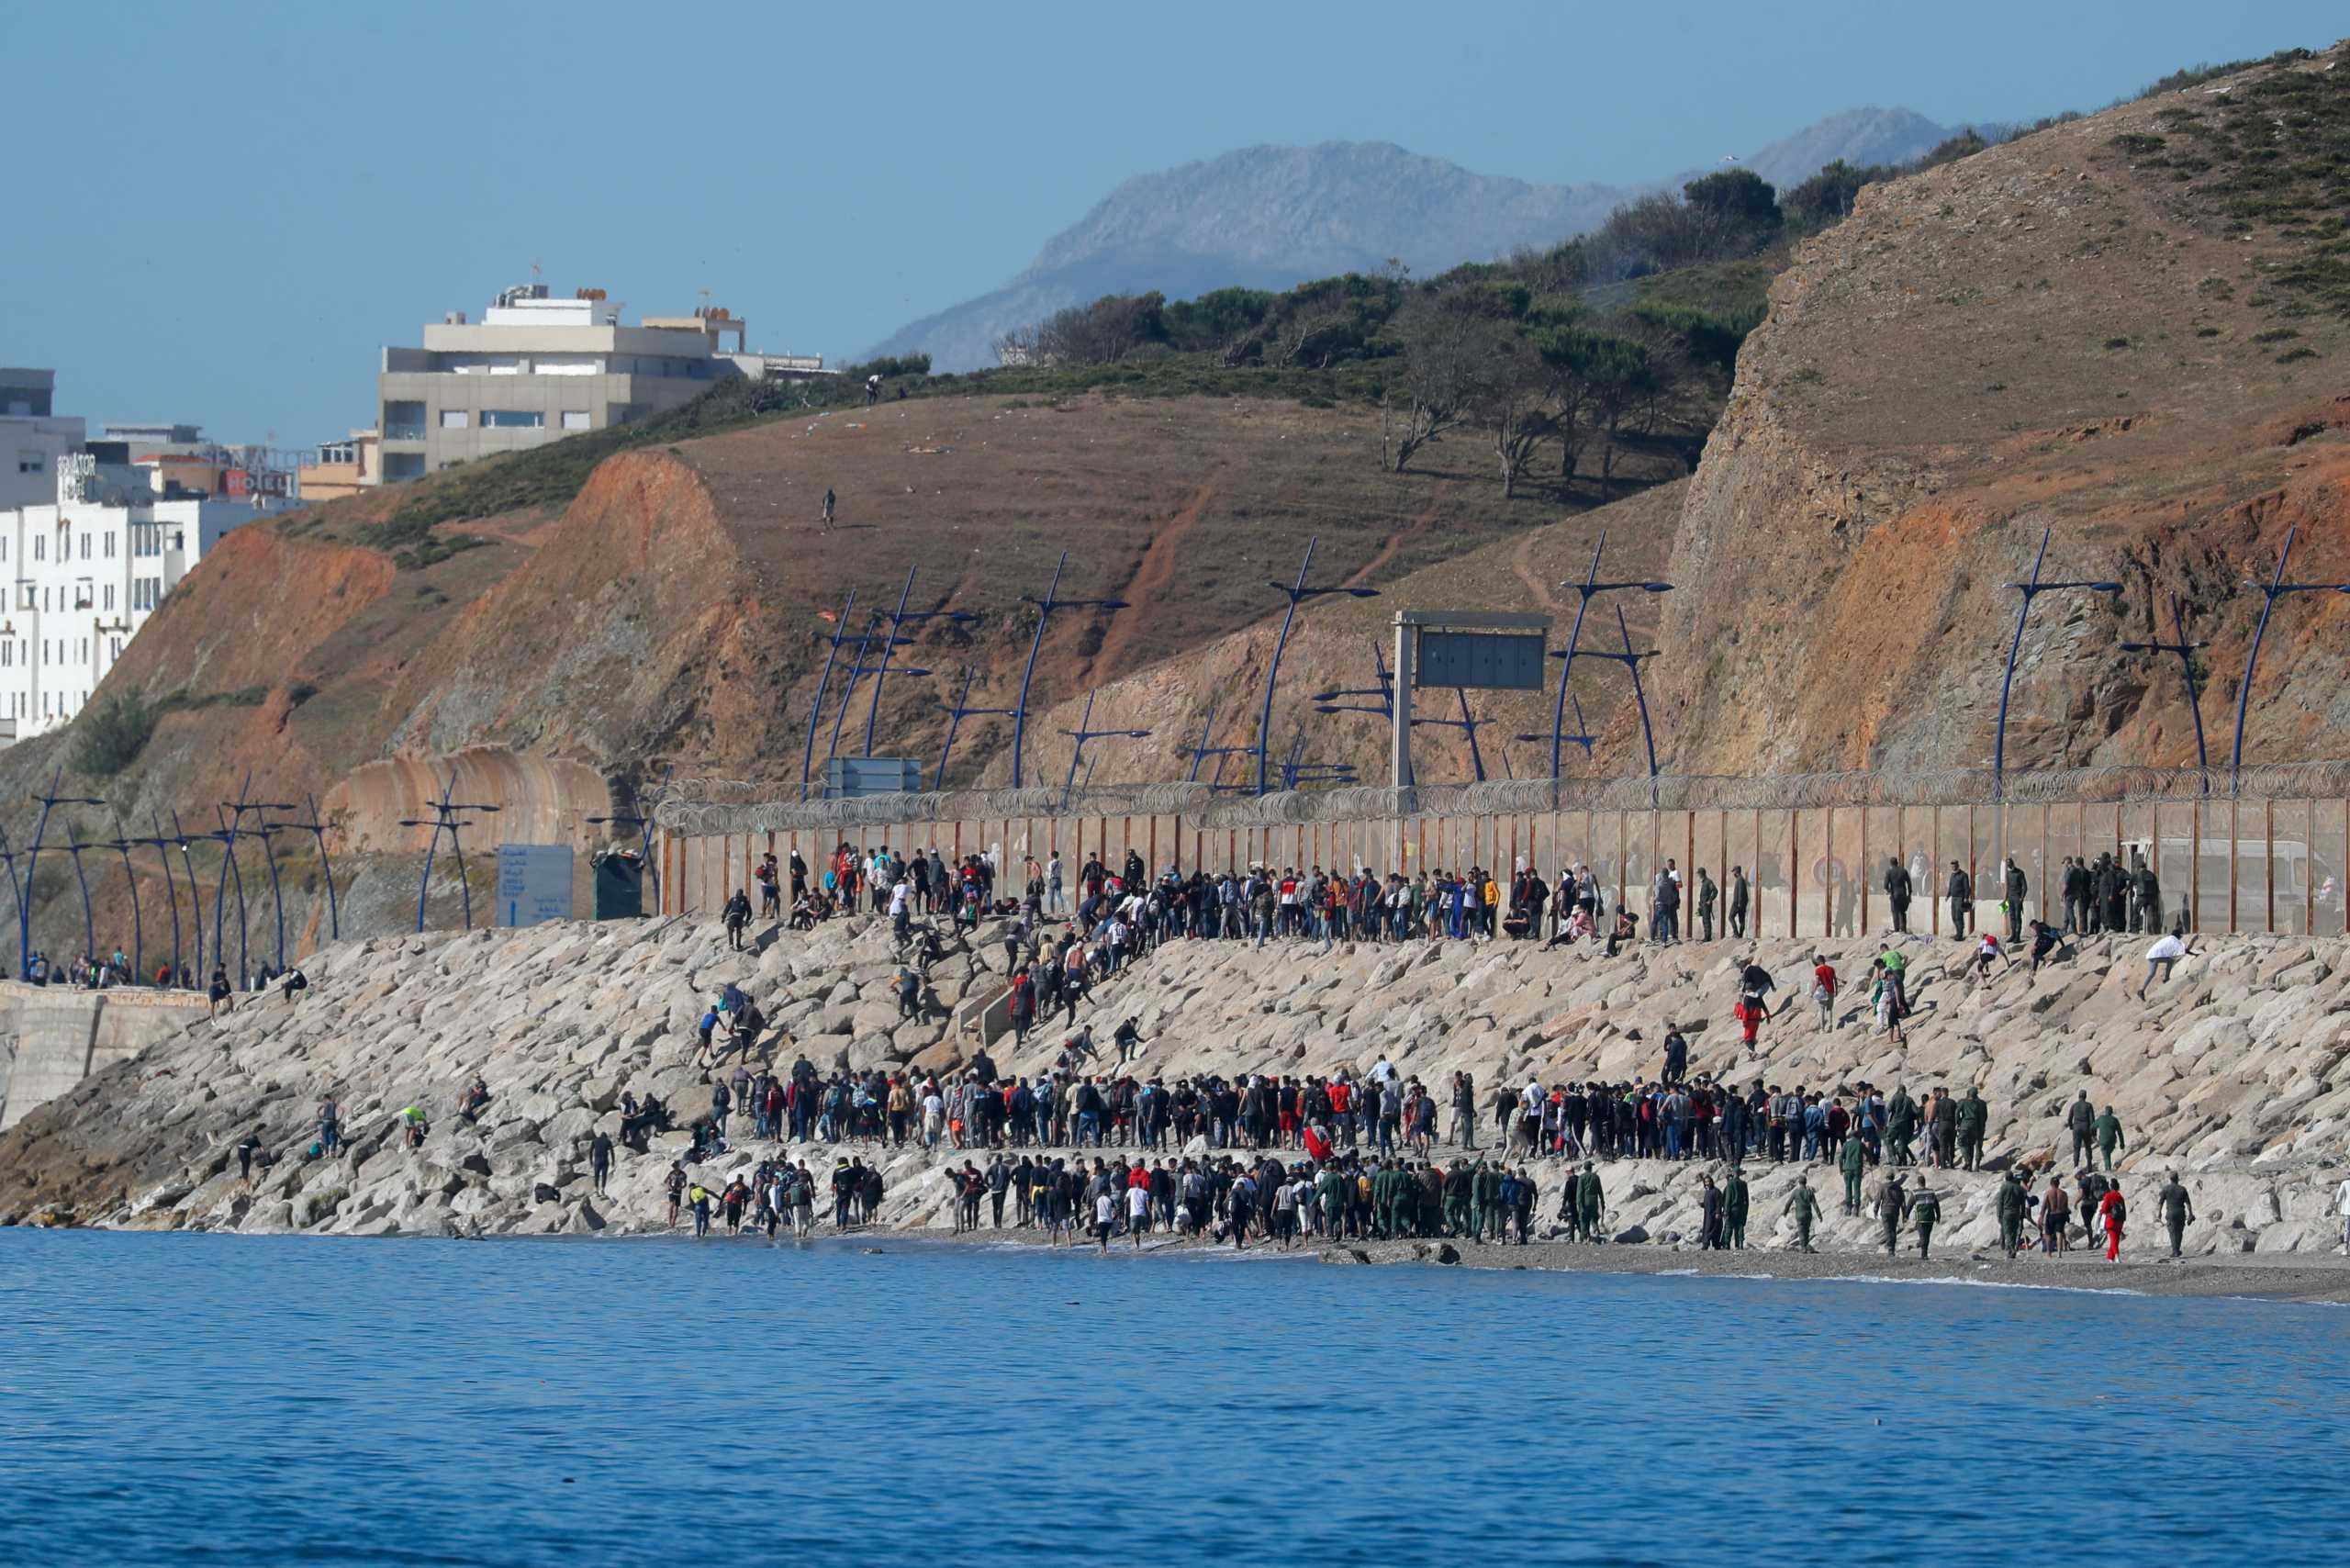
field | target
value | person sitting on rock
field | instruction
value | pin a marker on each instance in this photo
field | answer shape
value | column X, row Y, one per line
column 293, row 983
column 470, row 1104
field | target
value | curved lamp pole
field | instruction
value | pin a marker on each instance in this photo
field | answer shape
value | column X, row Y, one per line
column 2273, row 590
column 900, row 619
column 2186, row 652
column 1298, row 592
column 317, row 830
column 1083, row 734
column 227, row 838
column 32, row 858
column 130, row 879
column 8, row 858
column 1203, row 751
column 832, row 652
column 954, row 717
column 447, row 817
column 194, row 892
column 1591, row 587
column 163, row 847
column 74, row 846
column 1045, row 608
column 2031, row 589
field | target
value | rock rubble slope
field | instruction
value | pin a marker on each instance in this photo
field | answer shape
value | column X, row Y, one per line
column 2232, row 1073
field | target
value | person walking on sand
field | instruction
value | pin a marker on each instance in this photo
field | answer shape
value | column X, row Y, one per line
column 1804, row 1207
column 2178, row 1211
column 2110, row 1213
column 2056, row 1212
column 828, row 506
column 1892, row 1201
column 2108, row 1135
column 1925, row 1212
column 2012, row 1200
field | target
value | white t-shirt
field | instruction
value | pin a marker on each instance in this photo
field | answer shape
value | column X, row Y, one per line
column 897, row 897
column 1138, row 1200
column 1105, row 1210
column 2168, row 947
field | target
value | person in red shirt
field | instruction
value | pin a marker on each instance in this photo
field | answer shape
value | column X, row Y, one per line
column 1824, row 987
column 1749, row 1021
column 2111, row 1212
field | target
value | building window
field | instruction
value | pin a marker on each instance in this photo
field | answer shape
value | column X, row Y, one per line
column 108, row 596
column 512, row 419
column 85, row 546
column 455, row 419
column 41, row 548
column 575, row 418
column 30, row 463
column 85, row 594
column 108, row 537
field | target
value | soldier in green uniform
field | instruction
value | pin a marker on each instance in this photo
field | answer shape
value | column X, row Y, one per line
column 1333, row 1189
column 1591, row 1203
column 1891, row 1202
column 1806, row 1208
column 1925, row 1211
column 1484, row 1195
column 2080, row 1118
column 1973, row 1116
column 1900, row 1127
column 2108, row 1135
column 2178, row 1212
column 1852, row 1160
column 1407, row 1200
column 1455, row 1198
column 1734, row 1205
column 2012, row 1201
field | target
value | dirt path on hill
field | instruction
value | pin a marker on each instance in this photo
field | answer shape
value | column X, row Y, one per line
column 1412, row 530
column 1151, row 578
column 1521, row 562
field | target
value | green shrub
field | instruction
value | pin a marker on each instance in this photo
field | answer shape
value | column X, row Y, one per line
column 112, row 734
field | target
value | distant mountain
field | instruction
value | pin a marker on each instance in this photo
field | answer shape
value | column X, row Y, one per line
column 1272, row 217
column 1857, row 135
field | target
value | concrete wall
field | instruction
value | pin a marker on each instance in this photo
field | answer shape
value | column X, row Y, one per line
column 55, row 1037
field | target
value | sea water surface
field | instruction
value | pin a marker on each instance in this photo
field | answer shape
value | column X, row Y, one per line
column 183, row 1399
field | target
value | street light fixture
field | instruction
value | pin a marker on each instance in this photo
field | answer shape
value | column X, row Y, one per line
column 32, row 858
column 1045, row 608
column 1591, row 587
column 2273, row 590
column 955, row 716
column 832, row 652
column 1298, row 593
column 2186, row 652
column 317, row 830
column 2031, row 589
column 1083, row 734
column 447, row 817
column 900, row 619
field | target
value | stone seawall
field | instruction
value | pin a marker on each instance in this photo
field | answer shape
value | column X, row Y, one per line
column 57, row 1037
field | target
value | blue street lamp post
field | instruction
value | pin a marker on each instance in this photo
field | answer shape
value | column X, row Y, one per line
column 162, row 847
column 899, row 619
column 1083, row 734
column 447, row 817
column 317, row 830
column 122, row 846
column 832, row 652
column 8, row 858
column 955, row 716
column 2031, row 588
column 32, row 858
column 1045, row 608
column 1298, row 593
column 2272, row 591
column 2186, row 652
column 1591, row 587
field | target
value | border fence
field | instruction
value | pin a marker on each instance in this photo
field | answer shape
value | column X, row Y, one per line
column 2265, row 851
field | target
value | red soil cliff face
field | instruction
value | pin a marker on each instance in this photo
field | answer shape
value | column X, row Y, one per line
column 2042, row 337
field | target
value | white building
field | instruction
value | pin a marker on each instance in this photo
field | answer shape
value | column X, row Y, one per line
column 32, row 438
column 87, row 568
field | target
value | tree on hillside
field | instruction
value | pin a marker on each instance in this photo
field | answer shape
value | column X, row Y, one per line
column 1445, row 339
column 1738, row 211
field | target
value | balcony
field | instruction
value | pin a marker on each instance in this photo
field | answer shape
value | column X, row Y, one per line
column 404, row 432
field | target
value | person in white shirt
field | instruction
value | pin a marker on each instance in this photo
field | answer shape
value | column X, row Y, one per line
column 2341, row 1205
column 2161, row 957
column 1138, row 1212
column 1105, row 1218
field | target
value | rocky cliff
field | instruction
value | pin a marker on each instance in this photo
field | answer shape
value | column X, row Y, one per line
column 2233, row 1072
column 2120, row 329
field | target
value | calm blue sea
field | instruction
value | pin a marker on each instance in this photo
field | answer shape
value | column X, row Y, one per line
column 180, row 1399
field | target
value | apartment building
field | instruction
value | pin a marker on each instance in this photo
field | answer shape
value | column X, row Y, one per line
column 87, row 568
column 33, row 437
column 535, row 369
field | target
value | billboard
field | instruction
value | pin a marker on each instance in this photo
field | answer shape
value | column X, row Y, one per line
column 849, row 776
column 533, row 883
column 1481, row 661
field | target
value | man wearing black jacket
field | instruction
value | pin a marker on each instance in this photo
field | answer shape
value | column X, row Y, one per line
column 1897, row 892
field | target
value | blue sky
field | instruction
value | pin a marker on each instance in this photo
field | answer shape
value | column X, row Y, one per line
column 225, row 209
